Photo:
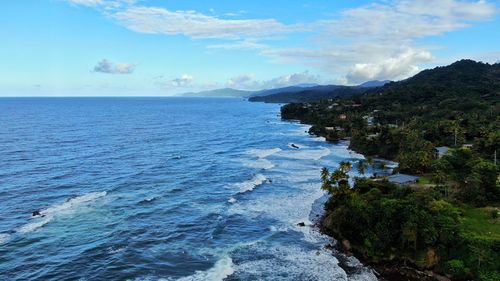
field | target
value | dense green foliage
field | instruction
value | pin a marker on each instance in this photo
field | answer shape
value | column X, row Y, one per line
column 420, row 226
column 405, row 121
column 449, row 222
column 447, row 106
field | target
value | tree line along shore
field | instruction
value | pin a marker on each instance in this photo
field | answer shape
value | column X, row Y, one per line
column 439, row 213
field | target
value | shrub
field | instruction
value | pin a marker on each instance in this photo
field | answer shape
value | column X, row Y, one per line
column 456, row 269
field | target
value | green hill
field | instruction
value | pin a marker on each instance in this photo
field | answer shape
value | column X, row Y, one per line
column 447, row 223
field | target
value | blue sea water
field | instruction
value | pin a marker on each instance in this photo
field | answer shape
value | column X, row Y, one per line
column 161, row 189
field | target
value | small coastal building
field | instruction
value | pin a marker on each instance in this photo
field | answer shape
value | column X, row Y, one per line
column 369, row 120
column 441, row 151
column 334, row 129
column 373, row 136
column 403, row 179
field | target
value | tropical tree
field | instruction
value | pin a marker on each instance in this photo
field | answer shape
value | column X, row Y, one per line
column 345, row 166
column 325, row 180
column 325, row 174
column 362, row 166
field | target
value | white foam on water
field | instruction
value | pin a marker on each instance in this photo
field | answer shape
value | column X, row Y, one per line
column 299, row 173
column 288, row 262
column 67, row 207
column 287, row 208
column 292, row 263
column 263, row 164
column 302, row 130
column 222, row 269
column 263, row 153
column 232, row 200
column 4, row 238
column 251, row 184
column 342, row 151
column 304, row 154
column 115, row 250
column 364, row 274
column 321, row 139
column 273, row 228
column 35, row 225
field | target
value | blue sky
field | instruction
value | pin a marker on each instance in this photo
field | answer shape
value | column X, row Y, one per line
column 163, row 47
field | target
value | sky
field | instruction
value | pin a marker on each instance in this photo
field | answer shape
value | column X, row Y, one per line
column 166, row 47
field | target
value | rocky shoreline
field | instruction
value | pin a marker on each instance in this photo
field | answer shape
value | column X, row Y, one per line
column 385, row 271
column 388, row 271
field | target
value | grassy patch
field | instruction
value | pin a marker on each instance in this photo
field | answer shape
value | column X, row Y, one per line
column 478, row 222
column 424, row 180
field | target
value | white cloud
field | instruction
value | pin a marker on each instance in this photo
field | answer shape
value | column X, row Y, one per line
column 106, row 66
column 396, row 68
column 248, row 81
column 449, row 9
column 374, row 41
column 185, row 81
column 378, row 41
column 196, row 25
column 246, row 44
column 90, row 3
column 407, row 20
column 105, row 4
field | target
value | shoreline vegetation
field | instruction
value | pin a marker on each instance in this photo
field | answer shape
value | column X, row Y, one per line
column 437, row 218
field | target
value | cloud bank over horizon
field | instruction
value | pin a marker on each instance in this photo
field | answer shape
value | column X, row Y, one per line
column 106, row 66
column 199, row 46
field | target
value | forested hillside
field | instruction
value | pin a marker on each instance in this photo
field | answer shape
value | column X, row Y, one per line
column 442, row 125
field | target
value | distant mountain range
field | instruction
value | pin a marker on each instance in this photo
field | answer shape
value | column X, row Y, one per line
column 374, row 83
column 220, row 93
column 311, row 94
column 296, row 93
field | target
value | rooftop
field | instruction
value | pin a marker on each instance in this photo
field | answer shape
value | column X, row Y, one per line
column 442, row 150
column 403, row 179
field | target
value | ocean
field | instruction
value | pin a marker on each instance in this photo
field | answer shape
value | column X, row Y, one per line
column 162, row 189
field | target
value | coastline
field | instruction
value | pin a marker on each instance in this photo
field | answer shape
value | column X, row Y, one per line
column 386, row 270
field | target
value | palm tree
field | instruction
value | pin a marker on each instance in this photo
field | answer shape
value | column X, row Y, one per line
column 381, row 165
column 345, row 166
column 325, row 180
column 337, row 176
column 362, row 166
column 325, row 174
column 370, row 160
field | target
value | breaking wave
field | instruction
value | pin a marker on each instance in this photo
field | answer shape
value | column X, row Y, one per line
column 251, row 184
column 263, row 153
column 263, row 164
column 50, row 213
column 222, row 269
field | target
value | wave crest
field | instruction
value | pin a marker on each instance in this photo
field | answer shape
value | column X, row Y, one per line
column 251, row 184
column 4, row 238
column 50, row 213
column 222, row 269
column 263, row 153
